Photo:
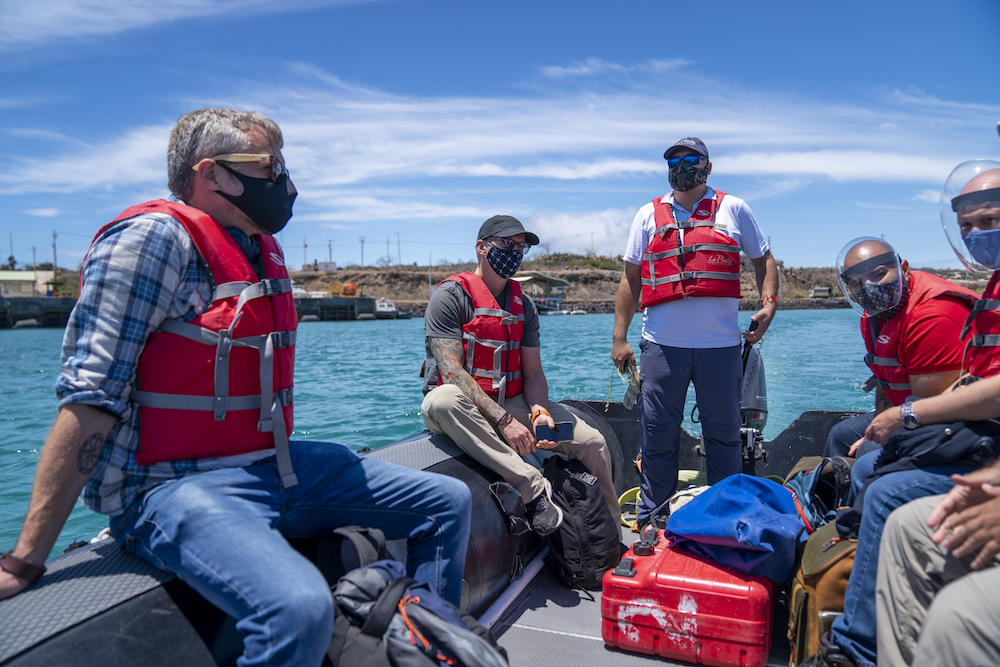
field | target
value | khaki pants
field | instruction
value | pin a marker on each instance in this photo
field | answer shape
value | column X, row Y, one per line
column 449, row 412
column 932, row 609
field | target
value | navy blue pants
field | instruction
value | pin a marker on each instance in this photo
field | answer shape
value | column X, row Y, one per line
column 666, row 373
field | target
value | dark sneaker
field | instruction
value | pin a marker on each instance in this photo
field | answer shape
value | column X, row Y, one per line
column 829, row 655
column 543, row 514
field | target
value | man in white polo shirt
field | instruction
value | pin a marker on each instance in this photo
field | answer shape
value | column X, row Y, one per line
column 683, row 255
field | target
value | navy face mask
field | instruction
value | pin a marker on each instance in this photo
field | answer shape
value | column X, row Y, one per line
column 266, row 202
column 984, row 246
column 685, row 177
column 504, row 262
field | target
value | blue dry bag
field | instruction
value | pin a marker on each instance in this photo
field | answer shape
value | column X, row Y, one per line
column 744, row 522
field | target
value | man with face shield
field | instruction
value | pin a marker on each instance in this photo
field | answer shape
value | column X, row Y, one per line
column 938, row 583
column 186, row 320
column 683, row 254
column 910, row 322
column 483, row 378
column 853, row 639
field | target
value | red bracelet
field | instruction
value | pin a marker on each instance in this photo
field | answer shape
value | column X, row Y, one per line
column 19, row 568
column 768, row 298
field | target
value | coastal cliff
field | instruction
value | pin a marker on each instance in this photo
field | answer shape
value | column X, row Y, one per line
column 594, row 282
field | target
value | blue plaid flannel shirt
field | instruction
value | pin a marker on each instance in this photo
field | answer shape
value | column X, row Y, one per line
column 138, row 273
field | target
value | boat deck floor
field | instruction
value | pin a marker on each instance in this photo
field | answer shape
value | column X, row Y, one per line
column 554, row 626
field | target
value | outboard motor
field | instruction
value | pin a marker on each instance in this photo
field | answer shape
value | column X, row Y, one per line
column 753, row 408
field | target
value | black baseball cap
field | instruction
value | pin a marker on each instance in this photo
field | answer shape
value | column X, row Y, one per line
column 694, row 143
column 503, row 226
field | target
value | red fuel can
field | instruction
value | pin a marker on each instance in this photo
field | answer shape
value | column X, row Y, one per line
column 677, row 605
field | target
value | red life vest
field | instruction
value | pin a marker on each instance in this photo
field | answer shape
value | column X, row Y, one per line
column 492, row 338
column 882, row 337
column 689, row 258
column 220, row 384
column 984, row 321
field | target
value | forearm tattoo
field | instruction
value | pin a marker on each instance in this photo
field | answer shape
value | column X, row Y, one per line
column 89, row 454
column 449, row 354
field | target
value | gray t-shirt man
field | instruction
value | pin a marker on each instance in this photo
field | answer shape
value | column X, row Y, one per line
column 450, row 308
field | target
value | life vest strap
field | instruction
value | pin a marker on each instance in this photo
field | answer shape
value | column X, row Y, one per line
column 870, row 384
column 688, row 249
column 205, row 403
column 981, row 306
column 228, row 290
column 506, row 319
column 891, row 386
column 986, row 340
column 689, row 275
column 882, row 361
column 687, row 224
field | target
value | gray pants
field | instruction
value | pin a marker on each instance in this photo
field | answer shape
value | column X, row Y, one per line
column 449, row 412
column 932, row 609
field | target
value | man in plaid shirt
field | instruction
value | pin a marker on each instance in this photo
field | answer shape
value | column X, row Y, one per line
column 218, row 518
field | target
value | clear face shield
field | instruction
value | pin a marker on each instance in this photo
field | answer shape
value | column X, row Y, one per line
column 970, row 213
column 871, row 277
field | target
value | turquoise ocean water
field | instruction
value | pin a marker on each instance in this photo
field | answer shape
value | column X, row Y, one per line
column 356, row 383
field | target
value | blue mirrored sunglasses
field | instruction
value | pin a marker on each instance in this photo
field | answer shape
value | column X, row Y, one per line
column 690, row 159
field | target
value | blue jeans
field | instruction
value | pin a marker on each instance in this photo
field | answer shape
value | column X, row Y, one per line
column 224, row 533
column 846, row 433
column 854, row 632
column 665, row 373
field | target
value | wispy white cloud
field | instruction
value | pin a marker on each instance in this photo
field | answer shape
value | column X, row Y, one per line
column 39, row 22
column 928, row 196
column 597, row 66
column 43, row 212
column 599, row 231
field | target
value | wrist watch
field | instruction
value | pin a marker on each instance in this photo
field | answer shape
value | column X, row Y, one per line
column 909, row 419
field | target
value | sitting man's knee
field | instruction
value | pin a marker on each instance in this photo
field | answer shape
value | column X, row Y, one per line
column 442, row 397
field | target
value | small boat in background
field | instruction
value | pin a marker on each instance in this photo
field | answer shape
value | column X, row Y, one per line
column 385, row 310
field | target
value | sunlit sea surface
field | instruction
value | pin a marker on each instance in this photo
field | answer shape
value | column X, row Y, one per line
column 356, row 383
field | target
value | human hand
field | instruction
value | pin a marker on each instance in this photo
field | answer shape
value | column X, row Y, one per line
column 969, row 490
column 519, row 437
column 857, row 445
column 976, row 528
column 885, row 424
column 763, row 319
column 545, row 419
column 621, row 353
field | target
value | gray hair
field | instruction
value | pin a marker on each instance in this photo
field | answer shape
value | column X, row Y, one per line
column 207, row 132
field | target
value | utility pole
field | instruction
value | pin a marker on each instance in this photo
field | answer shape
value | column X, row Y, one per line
column 388, row 257
column 362, row 239
column 399, row 253
column 54, row 264
column 34, row 267
column 329, row 246
column 305, row 244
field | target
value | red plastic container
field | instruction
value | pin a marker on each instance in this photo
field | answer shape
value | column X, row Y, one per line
column 684, row 607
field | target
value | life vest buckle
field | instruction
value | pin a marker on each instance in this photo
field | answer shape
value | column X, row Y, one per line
column 271, row 286
column 281, row 339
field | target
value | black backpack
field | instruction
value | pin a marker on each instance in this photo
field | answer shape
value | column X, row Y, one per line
column 383, row 618
column 588, row 543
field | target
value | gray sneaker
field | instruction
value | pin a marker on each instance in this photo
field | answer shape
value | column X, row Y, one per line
column 543, row 514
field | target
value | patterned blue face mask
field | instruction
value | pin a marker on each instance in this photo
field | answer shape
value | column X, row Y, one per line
column 504, row 262
column 984, row 246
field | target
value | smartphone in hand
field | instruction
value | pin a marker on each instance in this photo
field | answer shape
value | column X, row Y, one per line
column 563, row 432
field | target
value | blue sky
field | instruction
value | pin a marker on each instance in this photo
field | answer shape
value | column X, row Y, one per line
column 415, row 121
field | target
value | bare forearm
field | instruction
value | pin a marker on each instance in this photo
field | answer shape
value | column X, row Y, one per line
column 448, row 354
column 536, row 391
column 980, row 400
column 71, row 452
column 766, row 275
column 626, row 301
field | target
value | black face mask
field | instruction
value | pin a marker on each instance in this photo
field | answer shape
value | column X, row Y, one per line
column 504, row 262
column 685, row 177
column 267, row 203
column 884, row 300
